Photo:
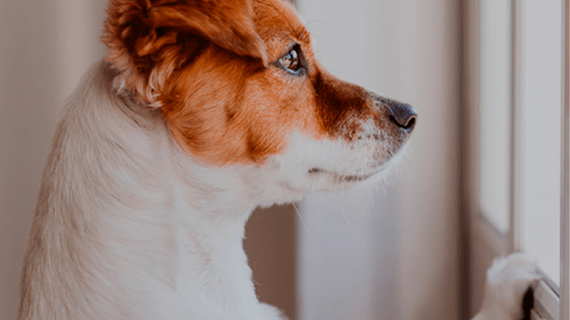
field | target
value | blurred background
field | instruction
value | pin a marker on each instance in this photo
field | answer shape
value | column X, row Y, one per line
column 405, row 250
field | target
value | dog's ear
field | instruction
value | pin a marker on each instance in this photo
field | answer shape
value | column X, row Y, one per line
column 148, row 39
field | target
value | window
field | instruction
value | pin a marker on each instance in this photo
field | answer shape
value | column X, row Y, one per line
column 516, row 58
column 495, row 114
column 540, row 100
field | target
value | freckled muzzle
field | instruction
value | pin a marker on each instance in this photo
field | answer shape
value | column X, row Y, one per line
column 375, row 129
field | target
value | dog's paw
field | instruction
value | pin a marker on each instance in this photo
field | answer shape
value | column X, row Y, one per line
column 507, row 281
column 271, row 313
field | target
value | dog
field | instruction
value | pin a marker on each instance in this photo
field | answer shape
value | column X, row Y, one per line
column 202, row 111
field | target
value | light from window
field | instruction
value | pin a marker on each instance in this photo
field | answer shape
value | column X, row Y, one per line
column 494, row 108
column 540, row 138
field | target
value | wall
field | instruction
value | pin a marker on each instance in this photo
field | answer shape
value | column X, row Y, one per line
column 45, row 48
column 270, row 245
column 390, row 253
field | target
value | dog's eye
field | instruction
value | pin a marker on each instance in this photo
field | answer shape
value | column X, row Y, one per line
column 291, row 61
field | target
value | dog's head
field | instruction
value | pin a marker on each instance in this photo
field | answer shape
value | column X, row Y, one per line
column 238, row 85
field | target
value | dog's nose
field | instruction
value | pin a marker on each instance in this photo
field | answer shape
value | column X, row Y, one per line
column 402, row 115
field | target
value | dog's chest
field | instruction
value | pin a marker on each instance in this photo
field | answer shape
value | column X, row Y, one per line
column 213, row 265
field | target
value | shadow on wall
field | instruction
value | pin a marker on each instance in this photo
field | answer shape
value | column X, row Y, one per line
column 271, row 247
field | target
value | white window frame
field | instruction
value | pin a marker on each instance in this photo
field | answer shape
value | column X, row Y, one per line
column 486, row 241
column 565, row 167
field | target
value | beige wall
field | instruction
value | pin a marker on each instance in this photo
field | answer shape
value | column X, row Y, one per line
column 391, row 254
column 270, row 244
column 45, row 47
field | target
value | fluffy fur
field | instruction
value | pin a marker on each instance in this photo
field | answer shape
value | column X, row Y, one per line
column 168, row 145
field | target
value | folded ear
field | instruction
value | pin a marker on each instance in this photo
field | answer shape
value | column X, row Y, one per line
column 148, row 39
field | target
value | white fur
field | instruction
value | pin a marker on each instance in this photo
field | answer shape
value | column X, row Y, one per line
column 135, row 228
column 508, row 279
column 155, row 234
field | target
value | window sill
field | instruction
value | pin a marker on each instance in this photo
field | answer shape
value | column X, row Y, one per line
column 546, row 303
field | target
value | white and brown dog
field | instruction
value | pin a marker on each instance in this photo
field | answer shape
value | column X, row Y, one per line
column 203, row 111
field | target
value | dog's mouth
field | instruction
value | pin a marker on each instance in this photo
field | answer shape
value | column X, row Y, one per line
column 364, row 174
column 341, row 177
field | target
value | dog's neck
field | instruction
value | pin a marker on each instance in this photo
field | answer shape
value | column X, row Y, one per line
column 160, row 219
column 209, row 208
column 212, row 211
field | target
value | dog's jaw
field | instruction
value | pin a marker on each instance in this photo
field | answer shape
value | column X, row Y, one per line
column 311, row 165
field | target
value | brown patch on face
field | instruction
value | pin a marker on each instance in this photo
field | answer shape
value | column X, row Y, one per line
column 227, row 109
column 214, row 71
column 341, row 105
column 278, row 25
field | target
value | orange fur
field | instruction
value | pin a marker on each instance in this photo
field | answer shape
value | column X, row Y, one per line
column 211, row 67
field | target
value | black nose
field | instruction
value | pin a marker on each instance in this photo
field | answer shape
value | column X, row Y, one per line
column 402, row 115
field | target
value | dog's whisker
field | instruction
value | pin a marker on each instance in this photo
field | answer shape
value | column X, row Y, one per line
column 300, row 217
column 330, row 31
column 335, row 47
column 344, row 212
column 329, row 45
column 297, row 210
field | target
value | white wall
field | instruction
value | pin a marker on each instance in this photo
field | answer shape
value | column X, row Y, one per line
column 391, row 254
column 45, row 47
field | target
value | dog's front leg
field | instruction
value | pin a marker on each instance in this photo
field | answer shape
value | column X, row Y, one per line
column 508, row 279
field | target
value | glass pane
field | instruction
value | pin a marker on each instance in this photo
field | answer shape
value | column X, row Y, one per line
column 495, row 109
column 541, row 103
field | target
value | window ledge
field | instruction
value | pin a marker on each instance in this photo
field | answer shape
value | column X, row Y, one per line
column 546, row 303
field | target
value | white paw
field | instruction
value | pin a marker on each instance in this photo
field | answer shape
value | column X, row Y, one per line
column 271, row 313
column 507, row 281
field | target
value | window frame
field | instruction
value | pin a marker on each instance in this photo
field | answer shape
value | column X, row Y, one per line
column 483, row 241
column 565, row 166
